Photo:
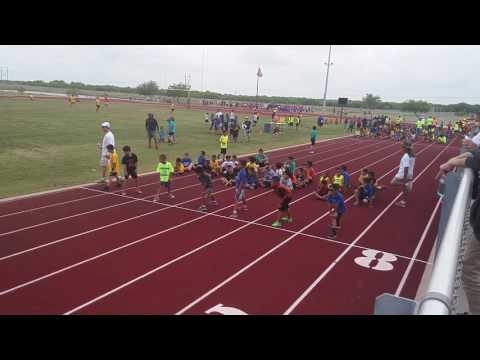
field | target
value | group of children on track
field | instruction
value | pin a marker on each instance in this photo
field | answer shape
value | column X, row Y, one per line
column 254, row 172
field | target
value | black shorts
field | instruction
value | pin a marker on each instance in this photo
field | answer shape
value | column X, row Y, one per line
column 171, row 133
column 313, row 141
column 131, row 173
column 223, row 151
column 165, row 184
column 284, row 204
column 114, row 173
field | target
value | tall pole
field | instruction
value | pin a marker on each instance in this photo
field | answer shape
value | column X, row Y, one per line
column 326, row 80
column 203, row 65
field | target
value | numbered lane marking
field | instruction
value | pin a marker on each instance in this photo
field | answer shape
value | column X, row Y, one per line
column 225, row 310
column 376, row 260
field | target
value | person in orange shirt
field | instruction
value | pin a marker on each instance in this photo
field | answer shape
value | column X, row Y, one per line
column 114, row 168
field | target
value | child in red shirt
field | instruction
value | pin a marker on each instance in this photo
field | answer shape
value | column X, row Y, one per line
column 286, row 195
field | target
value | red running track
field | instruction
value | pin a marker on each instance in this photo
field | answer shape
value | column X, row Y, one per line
column 81, row 251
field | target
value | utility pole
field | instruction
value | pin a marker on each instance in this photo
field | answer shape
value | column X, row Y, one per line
column 326, row 80
column 203, row 66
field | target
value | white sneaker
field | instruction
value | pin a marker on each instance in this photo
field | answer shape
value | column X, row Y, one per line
column 171, row 196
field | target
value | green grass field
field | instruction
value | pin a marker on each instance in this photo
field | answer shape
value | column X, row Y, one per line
column 47, row 144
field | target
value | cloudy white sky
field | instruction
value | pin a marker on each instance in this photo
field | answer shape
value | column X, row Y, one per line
column 441, row 74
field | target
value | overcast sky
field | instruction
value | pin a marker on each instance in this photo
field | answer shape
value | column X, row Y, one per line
column 441, row 74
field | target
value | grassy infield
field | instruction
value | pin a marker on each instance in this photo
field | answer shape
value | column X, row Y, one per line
column 46, row 144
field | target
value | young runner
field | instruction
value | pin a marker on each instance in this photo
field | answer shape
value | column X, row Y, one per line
column 130, row 162
column 313, row 138
column 165, row 170
column 285, row 194
column 404, row 176
column 337, row 210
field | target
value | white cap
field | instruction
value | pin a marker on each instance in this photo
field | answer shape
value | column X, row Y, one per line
column 106, row 124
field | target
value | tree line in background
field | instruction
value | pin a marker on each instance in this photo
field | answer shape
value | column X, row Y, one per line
column 150, row 88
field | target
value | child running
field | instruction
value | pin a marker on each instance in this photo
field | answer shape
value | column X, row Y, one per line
column 207, row 194
column 165, row 169
column 404, row 176
column 130, row 162
column 240, row 185
column 285, row 194
column 337, row 209
column 114, row 166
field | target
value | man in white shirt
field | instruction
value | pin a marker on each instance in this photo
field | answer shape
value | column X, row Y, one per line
column 404, row 176
column 474, row 142
column 108, row 139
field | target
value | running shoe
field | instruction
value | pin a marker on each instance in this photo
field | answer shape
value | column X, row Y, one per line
column 277, row 224
column 331, row 237
column 139, row 192
column 171, row 196
column 202, row 208
column 124, row 193
column 155, row 199
column 234, row 215
column 287, row 219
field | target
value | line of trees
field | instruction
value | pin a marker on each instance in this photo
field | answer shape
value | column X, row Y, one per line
column 150, row 88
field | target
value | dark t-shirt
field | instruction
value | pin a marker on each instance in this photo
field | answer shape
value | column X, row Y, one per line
column 130, row 160
column 151, row 124
column 247, row 124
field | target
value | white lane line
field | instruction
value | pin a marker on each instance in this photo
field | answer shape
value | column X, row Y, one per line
column 417, row 249
column 150, row 196
column 148, row 237
column 248, row 266
column 138, row 216
column 199, row 248
column 340, row 257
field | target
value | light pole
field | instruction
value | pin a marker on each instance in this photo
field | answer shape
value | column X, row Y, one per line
column 326, row 79
column 259, row 75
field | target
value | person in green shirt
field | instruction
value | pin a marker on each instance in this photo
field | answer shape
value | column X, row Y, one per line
column 261, row 159
column 165, row 170
column 313, row 138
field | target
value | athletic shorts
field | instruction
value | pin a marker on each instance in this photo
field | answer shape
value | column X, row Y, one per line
column 223, row 151
column 171, row 133
column 240, row 195
column 131, row 173
column 313, row 141
column 207, row 191
column 152, row 134
column 284, row 204
column 103, row 161
column 113, row 173
column 165, row 184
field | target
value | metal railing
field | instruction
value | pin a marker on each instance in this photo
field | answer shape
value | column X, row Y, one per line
column 440, row 293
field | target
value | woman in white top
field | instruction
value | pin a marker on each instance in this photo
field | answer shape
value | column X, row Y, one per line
column 108, row 139
column 404, row 176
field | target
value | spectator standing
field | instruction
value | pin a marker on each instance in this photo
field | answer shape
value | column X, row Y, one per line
column 151, row 126
column 108, row 139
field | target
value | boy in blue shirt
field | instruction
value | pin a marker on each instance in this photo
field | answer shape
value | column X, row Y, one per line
column 240, row 187
column 346, row 177
column 365, row 193
column 337, row 209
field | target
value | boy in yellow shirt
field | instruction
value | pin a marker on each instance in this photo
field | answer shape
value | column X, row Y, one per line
column 223, row 144
column 179, row 168
column 114, row 167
